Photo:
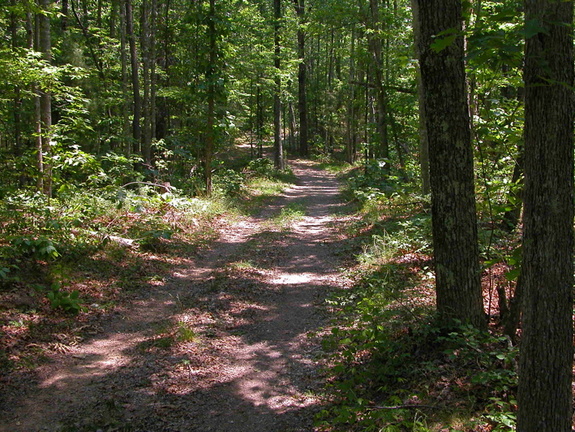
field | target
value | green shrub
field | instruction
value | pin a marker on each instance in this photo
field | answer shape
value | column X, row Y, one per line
column 39, row 249
column 67, row 301
column 261, row 167
column 229, row 182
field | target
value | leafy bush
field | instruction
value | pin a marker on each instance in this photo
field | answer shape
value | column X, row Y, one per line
column 67, row 301
column 262, row 167
column 229, row 182
column 151, row 240
column 40, row 249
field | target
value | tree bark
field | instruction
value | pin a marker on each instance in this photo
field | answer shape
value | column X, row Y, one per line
column 375, row 45
column 423, row 141
column 454, row 220
column 211, row 114
column 278, row 147
column 137, row 100
column 511, row 217
column 45, row 101
column 302, row 77
column 351, row 142
column 126, row 141
column 546, row 356
column 17, row 100
column 145, row 45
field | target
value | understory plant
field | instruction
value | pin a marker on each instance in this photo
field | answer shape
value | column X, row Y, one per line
column 392, row 366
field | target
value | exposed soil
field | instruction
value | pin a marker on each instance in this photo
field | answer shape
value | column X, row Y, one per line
column 227, row 344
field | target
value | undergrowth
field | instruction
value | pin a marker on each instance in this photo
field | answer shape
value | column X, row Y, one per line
column 391, row 366
column 66, row 259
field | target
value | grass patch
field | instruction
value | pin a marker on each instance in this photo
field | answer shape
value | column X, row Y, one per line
column 288, row 215
column 184, row 333
column 242, row 265
column 259, row 190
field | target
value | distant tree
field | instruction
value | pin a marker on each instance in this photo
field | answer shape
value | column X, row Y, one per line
column 454, row 223
column 423, row 145
column 278, row 147
column 546, row 356
column 135, row 65
column 44, row 102
column 302, row 79
column 211, row 77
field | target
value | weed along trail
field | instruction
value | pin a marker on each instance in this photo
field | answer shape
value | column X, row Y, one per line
column 224, row 346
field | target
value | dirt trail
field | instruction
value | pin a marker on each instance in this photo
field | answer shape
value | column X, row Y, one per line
column 242, row 360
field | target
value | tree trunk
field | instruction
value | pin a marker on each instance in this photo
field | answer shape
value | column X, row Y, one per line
column 423, row 142
column 145, row 46
column 64, row 19
column 137, row 103
column 153, row 77
column 211, row 114
column 278, row 147
column 375, row 45
column 17, row 100
column 351, row 147
column 511, row 217
column 301, row 77
column 162, row 107
column 546, row 356
column 45, row 102
column 126, row 141
column 454, row 220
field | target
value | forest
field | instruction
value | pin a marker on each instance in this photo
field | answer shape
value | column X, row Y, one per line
column 137, row 136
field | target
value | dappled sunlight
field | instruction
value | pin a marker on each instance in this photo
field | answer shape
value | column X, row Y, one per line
column 224, row 343
column 97, row 358
column 293, row 279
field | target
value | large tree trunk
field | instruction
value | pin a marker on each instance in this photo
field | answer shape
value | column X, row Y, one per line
column 454, row 220
column 546, row 356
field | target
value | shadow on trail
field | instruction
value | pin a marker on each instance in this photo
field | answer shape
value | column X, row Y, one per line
column 250, row 365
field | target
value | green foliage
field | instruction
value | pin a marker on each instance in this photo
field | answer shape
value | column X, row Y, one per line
column 39, row 249
column 392, row 366
column 184, row 333
column 375, row 180
column 262, row 167
column 9, row 273
column 69, row 302
column 415, row 373
column 492, row 362
column 151, row 239
column 229, row 182
column 445, row 39
column 396, row 237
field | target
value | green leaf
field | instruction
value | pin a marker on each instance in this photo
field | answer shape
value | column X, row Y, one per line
column 444, row 39
column 534, row 27
column 512, row 275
